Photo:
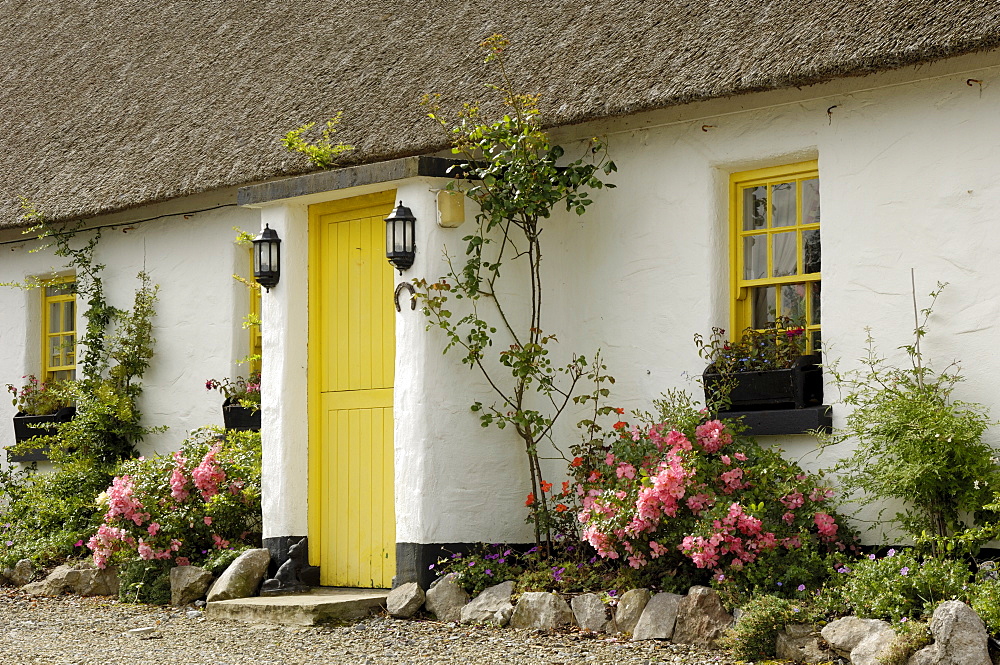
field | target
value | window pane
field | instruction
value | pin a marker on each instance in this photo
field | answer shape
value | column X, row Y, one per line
column 793, row 302
column 755, row 257
column 783, row 204
column 54, row 308
column 55, row 357
column 762, row 302
column 810, row 201
column 783, row 255
column 69, row 349
column 810, row 251
column 68, row 316
column 754, row 208
column 817, row 342
column 814, row 297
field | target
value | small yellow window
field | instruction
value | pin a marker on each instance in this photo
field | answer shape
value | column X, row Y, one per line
column 253, row 322
column 774, row 216
column 59, row 329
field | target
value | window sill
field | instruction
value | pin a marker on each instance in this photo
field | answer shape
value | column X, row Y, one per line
column 784, row 421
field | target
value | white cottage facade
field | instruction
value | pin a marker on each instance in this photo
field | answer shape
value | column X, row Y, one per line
column 370, row 448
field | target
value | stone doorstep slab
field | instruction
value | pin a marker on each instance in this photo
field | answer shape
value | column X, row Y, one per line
column 305, row 609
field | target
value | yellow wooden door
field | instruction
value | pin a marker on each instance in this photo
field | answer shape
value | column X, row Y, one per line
column 352, row 525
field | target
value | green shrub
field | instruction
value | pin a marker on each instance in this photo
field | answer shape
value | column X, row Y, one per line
column 145, row 582
column 754, row 635
column 986, row 601
column 900, row 585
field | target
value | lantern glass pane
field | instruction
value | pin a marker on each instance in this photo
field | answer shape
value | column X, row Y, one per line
column 263, row 258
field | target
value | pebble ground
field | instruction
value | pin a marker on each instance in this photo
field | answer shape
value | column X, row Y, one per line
column 94, row 631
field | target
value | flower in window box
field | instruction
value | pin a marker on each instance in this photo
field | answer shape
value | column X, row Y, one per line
column 39, row 398
column 238, row 390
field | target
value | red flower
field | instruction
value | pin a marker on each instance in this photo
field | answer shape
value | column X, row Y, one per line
column 561, row 507
column 619, row 411
column 577, row 461
column 546, row 486
column 620, row 425
column 530, row 500
column 565, row 487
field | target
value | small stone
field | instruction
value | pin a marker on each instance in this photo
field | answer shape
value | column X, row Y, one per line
column 629, row 611
column 188, row 584
column 193, row 614
column 445, row 599
column 21, row 573
column 141, row 632
column 701, row 618
column 541, row 610
column 243, row 576
column 404, row 601
column 800, row 643
column 658, row 618
column 590, row 611
column 484, row 606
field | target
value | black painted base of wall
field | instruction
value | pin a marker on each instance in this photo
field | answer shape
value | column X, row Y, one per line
column 413, row 560
column 278, row 547
column 783, row 421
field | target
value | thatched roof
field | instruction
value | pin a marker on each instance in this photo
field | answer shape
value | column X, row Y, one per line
column 111, row 104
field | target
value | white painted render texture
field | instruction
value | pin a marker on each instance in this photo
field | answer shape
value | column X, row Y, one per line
column 198, row 322
column 909, row 179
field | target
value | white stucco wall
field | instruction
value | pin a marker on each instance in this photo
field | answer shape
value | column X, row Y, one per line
column 198, row 323
column 908, row 177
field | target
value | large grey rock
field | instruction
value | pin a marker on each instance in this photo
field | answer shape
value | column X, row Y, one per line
column 658, row 618
column 20, row 574
column 629, row 610
column 960, row 638
column 845, row 634
column 484, row 607
column 590, row 612
column 873, row 646
column 539, row 609
column 405, row 600
column 59, row 581
column 188, row 584
column 800, row 643
column 94, row 581
column 243, row 576
column 701, row 618
column 445, row 598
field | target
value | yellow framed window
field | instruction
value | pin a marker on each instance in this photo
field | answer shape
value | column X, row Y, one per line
column 59, row 329
column 254, row 322
column 775, row 241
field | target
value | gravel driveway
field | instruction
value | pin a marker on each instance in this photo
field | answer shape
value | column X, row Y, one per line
column 85, row 631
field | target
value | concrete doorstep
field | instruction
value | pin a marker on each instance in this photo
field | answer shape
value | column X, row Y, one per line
column 320, row 605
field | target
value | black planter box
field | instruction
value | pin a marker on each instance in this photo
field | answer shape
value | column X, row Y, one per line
column 24, row 430
column 240, row 418
column 797, row 387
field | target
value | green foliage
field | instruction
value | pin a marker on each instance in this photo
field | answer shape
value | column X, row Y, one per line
column 145, row 582
column 776, row 346
column 754, row 635
column 902, row 585
column 323, row 153
column 38, row 398
column 518, row 179
column 986, row 598
column 47, row 517
column 216, row 561
column 239, row 390
column 917, row 444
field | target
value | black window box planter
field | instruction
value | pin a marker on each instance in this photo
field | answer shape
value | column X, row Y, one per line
column 783, row 421
column 779, row 401
column 24, row 430
column 797, row 387
column 240, row 418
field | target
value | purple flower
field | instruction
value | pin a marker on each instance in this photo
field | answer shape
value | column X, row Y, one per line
column 557, row 573
column 780, row 584
column 801, row 587
column 489, row 572
column 904, row 570
column 430, row 567
column 871, row 556
column 471, row 564
column 891, row 552
column 843, row 569
column 501, row 560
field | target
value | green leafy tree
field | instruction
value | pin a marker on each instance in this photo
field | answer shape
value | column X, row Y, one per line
column 518, row 179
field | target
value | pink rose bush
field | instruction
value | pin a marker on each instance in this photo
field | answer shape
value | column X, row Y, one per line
column 688, row 495
column 182, row 507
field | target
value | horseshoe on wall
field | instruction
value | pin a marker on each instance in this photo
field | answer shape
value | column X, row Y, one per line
column 399, row 289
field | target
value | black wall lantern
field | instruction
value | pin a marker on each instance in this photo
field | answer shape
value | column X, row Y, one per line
column 400, row 243
column 267, row 257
